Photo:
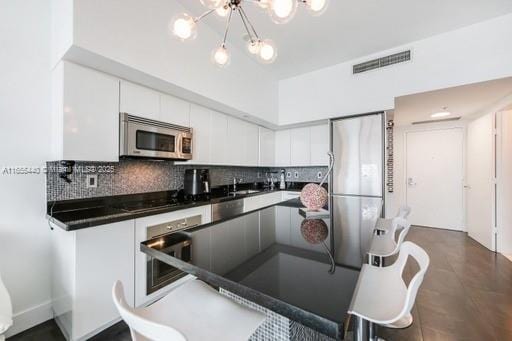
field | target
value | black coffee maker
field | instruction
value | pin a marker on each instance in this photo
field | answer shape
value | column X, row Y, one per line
column 197, row 184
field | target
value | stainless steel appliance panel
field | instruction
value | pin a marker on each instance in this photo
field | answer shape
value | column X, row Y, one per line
column 227, row 209
column 357, row 144
column 354, row 218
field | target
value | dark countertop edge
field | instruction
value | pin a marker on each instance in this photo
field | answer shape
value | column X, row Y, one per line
column 86, row 223
column 311, row 320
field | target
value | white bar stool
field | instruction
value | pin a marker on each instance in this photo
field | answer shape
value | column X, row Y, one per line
column 193, row 311
column 384, row 225
column 382, row 297
column 386, row 245
column 5, row 310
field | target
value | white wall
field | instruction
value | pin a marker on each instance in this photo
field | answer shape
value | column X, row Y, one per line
column 25, row 141
column 471, row 54
column 504, row 151
column 398, row 197
column 129, row 38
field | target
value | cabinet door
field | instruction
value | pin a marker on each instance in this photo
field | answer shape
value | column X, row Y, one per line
column 200, row 123
column 319, row 145
column 267, row 227
column 251, row 145
column 300, row 147
column 236, row 141
column 90, row 109
column 174, row 110
column 282, row 148
column 218, row 138
column 252, row 234
column 283, row 225
column 139, row 101
column 104, row 254
column 267, row 147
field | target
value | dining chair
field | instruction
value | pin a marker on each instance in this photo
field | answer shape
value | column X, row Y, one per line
column 5, row 310
column 384, row 225
column 387, row 245
column 193, row 311
column 382, row 297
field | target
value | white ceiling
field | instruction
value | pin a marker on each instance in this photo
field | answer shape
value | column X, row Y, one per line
column 464, row 101
column 353, row 28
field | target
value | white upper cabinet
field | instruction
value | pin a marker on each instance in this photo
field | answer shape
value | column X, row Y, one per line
column 282, row 148
column 236, row 141
column 300, row 153
column 251, row 144
column 319, row 145
column 86, row 114
column 139, row 101
column 174, row 110
column 267, row 147
column 200, row 122
column 218, row 138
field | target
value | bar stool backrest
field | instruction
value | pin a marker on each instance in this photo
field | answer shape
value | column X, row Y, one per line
column 410, row 249
column 141, row 328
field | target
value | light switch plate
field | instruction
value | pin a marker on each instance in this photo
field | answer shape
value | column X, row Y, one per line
column 296, row 175
column 319, row 175
column 288, row 174
column 91, row 181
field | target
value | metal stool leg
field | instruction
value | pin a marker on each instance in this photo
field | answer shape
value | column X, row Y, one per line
column 361, row 329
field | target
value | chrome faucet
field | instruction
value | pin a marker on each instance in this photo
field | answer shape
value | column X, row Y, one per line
column 235, row 182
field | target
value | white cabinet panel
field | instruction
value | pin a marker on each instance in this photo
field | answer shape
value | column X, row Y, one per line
column 236, row 138
column 252, row 234
column 282, row 148
column 139, row 101
column 300, row 153
column 218, row 138
column 174, row 110
column 319, row 145
column 283, row 225
column 200, row 123
column 267, row 227
column 88, row 113
column 104, row 254
column 251, row 144
column 263, row 200
column 267, row 147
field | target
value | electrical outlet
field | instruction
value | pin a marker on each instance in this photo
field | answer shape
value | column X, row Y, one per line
column 319, row 175
column 92, row 181
column 288, row 174
column 296, row 175
column 259, row 175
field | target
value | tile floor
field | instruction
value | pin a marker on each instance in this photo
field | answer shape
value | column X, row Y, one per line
column 466, row 295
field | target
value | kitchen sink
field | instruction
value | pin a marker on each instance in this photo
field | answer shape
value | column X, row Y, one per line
column 248, row 191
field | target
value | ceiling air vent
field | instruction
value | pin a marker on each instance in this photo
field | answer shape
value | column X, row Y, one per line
column 382, row 62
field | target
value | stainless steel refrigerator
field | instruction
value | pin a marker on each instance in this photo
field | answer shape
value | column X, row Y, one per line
column 356, row 183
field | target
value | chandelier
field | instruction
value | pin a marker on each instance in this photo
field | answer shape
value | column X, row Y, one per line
column 184, row 26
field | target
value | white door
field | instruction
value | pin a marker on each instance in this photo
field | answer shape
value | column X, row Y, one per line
column 504, row 188
column 434, row 175
column 480, row 181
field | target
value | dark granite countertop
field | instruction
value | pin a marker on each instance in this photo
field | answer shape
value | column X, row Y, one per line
column 73, row 215
column 302, row 269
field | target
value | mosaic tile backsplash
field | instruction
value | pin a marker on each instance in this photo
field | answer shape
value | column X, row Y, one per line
column 137, row 176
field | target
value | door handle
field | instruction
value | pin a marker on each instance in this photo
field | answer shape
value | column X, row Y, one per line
column 411, row 182
column 467, row 187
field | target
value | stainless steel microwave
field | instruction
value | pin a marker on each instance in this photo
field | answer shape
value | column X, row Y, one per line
column 144, row 138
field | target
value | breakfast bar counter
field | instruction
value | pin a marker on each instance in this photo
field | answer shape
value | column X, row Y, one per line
column 303, row 270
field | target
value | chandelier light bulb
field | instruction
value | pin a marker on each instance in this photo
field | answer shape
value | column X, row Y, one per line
column 264, row 3
column 317, row 7
column 221, row 56
column 254, row 46
column 213, row 4
column 223, row 11
column 183, row 27
column 282, row 11
column 268, row 51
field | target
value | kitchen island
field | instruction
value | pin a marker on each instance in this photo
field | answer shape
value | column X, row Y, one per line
column 301, row 269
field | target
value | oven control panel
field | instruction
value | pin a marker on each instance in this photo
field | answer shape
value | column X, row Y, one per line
column 173, row 226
